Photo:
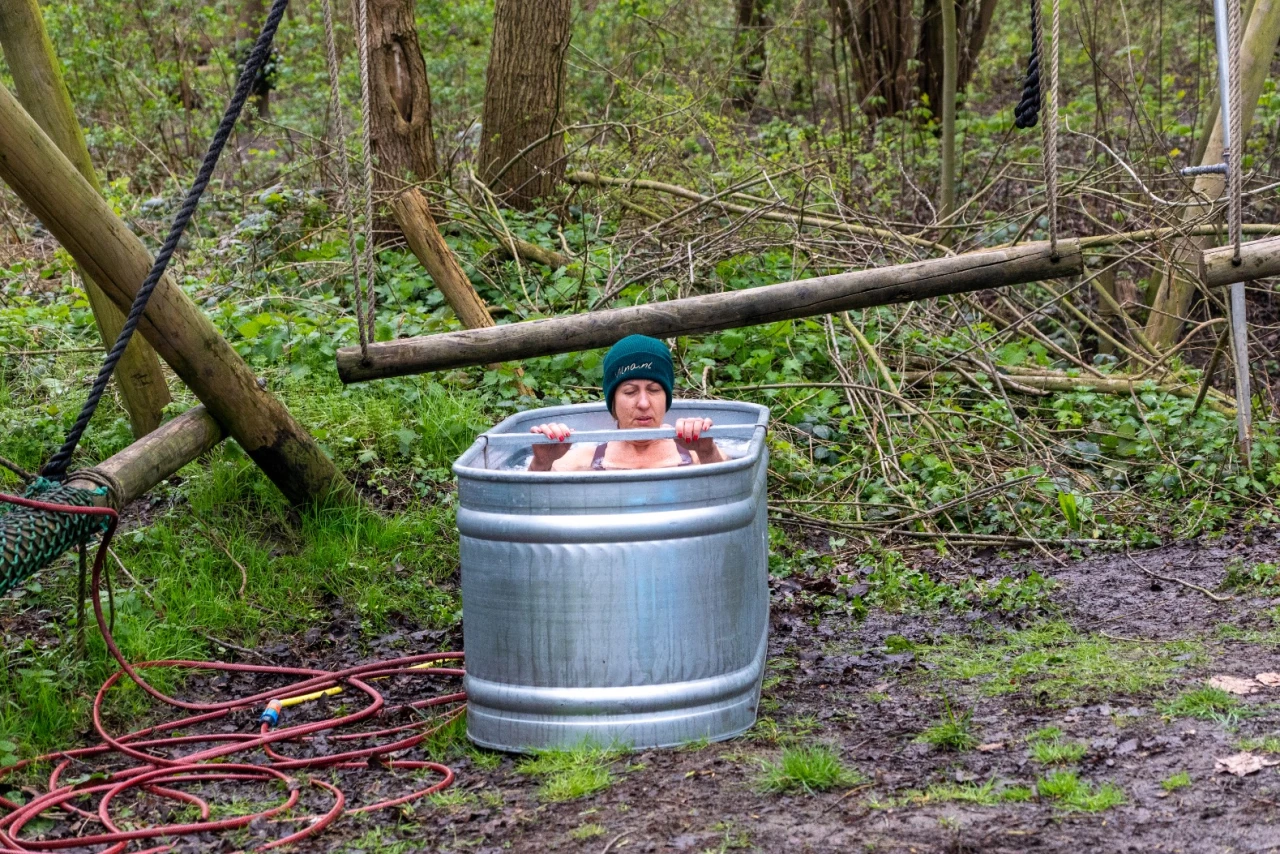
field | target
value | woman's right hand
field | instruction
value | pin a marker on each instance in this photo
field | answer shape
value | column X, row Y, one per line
column 546, row 453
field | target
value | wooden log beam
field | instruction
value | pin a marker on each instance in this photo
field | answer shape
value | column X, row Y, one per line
column 413, row 215
column 713, row 312
column 139, row 467
column 85, row 225
column 42, row 91
column 1259, row 259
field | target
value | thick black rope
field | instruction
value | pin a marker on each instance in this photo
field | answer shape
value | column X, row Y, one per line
column 56, row 468
column 1027, row 113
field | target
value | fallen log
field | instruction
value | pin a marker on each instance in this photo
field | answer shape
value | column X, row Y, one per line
column 714, row 312
column 85, row 225
column 1259, row 259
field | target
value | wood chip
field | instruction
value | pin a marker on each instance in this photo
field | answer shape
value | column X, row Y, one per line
column 991, row 746
column 1242, row 764
column 1234, row 685
column 1271, row 680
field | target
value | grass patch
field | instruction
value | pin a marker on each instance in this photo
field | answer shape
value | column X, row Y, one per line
column 815, row 768
column 1048, row 747
column 952, row 732
column 1173, row 783
column 1261, row 744
column 1206, row 703
column 1057, row 663
column 571, row 774
column 980, row 794
column 587, row 831
column 1067, row 790
column 1251, row 577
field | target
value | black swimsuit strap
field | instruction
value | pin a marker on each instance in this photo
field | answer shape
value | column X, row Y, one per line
column 597, row 459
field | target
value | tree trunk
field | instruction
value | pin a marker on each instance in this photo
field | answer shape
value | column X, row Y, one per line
column 403, row 144
column 522, row 141
column 40, row 86
column 879, row 34
column 87, row 227
column 973, row 22
column 1178, row 285
column 948, row 103
column 750, row 50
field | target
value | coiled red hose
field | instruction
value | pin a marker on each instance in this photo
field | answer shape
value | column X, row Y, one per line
column 160, row 766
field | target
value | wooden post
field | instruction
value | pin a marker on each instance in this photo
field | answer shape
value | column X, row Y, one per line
column 135, row 470
column 1259, row 259
column 991, row 268
column 413, row 215
column 113, row 255
column 41, row 89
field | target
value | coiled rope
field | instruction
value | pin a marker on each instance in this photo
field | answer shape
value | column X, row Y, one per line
column 1234, row 156
column 366, row 323
column 1027, row 111
column 56, row 468
column 1034, row 98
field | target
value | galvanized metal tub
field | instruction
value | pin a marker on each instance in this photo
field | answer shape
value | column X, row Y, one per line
column 619, row 608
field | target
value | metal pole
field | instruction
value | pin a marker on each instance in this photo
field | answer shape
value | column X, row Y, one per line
column 1237, row 313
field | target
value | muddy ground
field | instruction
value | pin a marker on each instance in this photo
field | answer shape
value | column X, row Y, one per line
column 869, row 687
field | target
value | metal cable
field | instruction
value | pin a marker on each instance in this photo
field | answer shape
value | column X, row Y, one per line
column 339, row 130
column 367, row 323
column 57, row 466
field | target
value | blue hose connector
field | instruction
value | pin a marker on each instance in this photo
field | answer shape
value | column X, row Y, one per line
column 271, row 714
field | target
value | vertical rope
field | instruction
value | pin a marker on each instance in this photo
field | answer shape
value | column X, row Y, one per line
column 1234, row 157
column 339, row 131
column 1027, row 111
column 1050, row 127
column 367, row 330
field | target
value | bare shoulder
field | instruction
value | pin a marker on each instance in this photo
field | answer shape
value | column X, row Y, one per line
column 578, row 458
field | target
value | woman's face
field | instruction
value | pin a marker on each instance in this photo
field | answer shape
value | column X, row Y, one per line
column 639, row 403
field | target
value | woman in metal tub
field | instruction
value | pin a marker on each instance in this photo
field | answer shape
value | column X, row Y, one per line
column 638, row 381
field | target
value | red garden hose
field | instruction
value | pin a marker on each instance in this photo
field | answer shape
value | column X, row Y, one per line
column 160, row 767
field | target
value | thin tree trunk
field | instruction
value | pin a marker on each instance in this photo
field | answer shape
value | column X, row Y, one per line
column 38, row 79
column 522, row 142
column 880, row 35
column 403, row 143
column 87, row 227
column 1178, row 285
column 751, row 52
column 948, row 141
column 973, row 22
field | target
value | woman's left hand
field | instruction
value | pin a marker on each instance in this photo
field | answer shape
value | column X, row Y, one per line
column 689, row 433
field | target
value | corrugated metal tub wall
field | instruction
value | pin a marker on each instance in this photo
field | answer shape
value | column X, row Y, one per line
column 619, row 608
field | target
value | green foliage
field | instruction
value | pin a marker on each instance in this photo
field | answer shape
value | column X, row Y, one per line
column 1048, row 747
column 571, row 774
column 1056, row 664
column 1068, row 791
column 813, row 768
column 1258, row 576
column 1206, row 703
column 1174, row 782
column 953, row 732
column 979, row 794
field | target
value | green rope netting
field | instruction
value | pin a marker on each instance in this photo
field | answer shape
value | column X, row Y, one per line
column 31, row 539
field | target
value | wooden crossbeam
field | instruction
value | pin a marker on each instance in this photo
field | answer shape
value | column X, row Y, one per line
column 991, row 268
column 1258, row 260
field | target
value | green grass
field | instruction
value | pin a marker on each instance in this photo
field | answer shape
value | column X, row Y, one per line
column 1048, row 747
column 571, row 774
column 584, row 832
column 1068, row 791
column 811, row 769
column 1056, row 663
column 1261, row 744
column 980, row 794
column 1206, row 703
column 1251, row 577
column 952, row 732
column 1181, row 780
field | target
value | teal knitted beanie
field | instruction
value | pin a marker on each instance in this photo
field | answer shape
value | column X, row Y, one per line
column 638, row 357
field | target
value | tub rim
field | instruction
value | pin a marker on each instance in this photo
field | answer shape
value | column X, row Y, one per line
column 748, row 460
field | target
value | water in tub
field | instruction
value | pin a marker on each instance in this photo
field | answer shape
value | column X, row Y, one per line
column 519, row 459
